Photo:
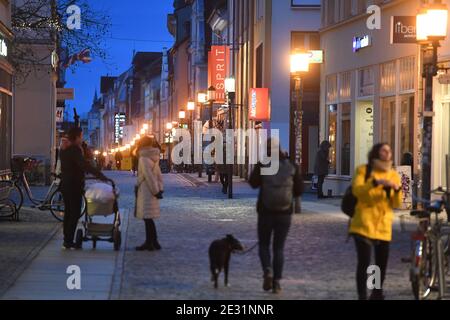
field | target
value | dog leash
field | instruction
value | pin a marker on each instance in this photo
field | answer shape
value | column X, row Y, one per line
column 248, row 250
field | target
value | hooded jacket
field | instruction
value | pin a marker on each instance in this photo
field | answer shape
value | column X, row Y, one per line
column 374, row 210
column 149, row 184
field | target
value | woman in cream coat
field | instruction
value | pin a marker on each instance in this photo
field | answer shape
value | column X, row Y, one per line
column 149, row 190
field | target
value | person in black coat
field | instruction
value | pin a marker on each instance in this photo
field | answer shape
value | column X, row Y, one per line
column 275, row 222
column 73, row 170
column 321, row 166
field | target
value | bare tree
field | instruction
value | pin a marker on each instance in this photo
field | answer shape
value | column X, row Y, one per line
column 44, row 23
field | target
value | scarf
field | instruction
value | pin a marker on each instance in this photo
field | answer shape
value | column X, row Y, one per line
column 380, row 165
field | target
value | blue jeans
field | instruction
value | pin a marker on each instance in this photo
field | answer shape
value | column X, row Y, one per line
column 278, row 225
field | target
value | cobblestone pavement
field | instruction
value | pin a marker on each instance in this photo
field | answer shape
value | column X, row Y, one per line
column 319, row 264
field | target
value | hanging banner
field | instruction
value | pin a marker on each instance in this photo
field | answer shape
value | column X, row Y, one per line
column 259, row 104
column 218, row 61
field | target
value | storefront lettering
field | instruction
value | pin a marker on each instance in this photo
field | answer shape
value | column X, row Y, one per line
column 361, row 42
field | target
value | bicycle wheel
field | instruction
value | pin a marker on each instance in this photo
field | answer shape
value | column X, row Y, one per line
column 57, row 205
column 16, row 196
column 424, row 279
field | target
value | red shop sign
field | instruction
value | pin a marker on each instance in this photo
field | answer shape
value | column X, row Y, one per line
column 259, row 104
column 218, row 61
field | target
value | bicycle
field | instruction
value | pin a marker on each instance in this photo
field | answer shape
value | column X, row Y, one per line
column 430, row 247
column 53, row 200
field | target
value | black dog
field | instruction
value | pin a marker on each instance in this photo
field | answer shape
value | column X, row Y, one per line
column 220, row 254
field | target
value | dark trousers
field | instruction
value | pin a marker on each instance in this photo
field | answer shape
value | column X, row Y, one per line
column 320, row 181
column 364, row 252
column 72, row 212
column 151, row 237
column 278, row 225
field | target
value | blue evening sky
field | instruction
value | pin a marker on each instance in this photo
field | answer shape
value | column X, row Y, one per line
column 134, row 20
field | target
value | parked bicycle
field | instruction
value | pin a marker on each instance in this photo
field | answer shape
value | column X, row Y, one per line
column 53, row 200
column 430, row 247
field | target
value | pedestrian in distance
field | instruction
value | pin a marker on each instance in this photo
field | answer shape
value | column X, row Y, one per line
column 74, row 167
column 149, row 190
column 134, row 160
column 321, row 166
column 118, row 157
column 377, row 188
column 275, row 208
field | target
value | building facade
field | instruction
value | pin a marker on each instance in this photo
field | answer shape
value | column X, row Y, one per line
column 6, row 87
column 373, row 91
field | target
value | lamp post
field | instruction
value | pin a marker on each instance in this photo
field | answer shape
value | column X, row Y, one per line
column 299, row 65
column 202, row 98
column 211, row 100
column 191, row 109
column 230, row 89
column 431, row 29
column 169, row 127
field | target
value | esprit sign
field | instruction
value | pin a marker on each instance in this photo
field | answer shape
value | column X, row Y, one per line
column 361, row 42
column 218, row 60
column 403, row 29
column 259, row 104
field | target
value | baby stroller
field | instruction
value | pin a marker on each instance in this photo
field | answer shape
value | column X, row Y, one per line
column 97, row 204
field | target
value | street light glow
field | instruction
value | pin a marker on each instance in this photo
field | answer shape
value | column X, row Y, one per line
column 299, row 62
column 432, row 23
column 182, row 114
column 191, row 106
column 169, row 126
column 230, row 85
column 202, row 97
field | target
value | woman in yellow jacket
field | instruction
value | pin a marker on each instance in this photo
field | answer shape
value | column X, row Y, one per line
column 378, row 190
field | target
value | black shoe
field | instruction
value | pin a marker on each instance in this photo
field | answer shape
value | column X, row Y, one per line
column 276, row 287
column 68, row 246
column 377, row 294
column 268, row 281
column 145, row 247
column 156, row 246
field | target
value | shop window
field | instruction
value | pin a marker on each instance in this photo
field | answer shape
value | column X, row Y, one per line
column 346, row 109
column 366, row 82
column 407, row 73
column 388, row 122
column 388, row 78
column 406, row 124
column 345, row 86
column 332, row 88
column 332, row 135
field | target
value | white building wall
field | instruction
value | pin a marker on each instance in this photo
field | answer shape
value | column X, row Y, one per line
column 285, row 20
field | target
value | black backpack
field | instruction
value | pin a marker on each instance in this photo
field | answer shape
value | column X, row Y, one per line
column 349, row 201
column 277, row 191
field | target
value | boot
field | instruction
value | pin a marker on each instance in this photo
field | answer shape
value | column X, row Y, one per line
column 377, row 294
column 153, row 235
column 147, row 245
column 276, row 287
column 268, row 281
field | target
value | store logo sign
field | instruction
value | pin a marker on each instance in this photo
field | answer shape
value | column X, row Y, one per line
column 259, row 104
column 361, row 42
column 3, row 48
column 403, row 29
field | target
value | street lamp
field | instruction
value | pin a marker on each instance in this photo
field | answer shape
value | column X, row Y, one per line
column 431, row 28
column 202, row 98
column 299, row 65
column 211, row 100
column 182, row 114
column 230, row 89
